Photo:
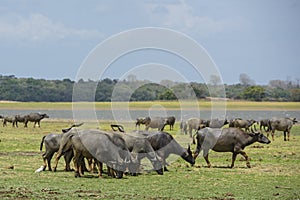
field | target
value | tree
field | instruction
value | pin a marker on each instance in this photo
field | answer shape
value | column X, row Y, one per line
column 246, row 80
column 255, row 93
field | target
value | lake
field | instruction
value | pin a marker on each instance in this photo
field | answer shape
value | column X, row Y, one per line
column 123, row 115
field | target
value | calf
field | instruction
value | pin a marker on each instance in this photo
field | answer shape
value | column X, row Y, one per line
column 226, row 140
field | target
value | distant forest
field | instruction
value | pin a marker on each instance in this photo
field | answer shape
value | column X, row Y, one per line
column 30, row 89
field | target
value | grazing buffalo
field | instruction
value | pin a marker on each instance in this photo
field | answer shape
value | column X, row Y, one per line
column 101, row 146
column 263, row 124
column 140, row 148
column 154, row 122
column 35, row 117
column 226, row 140
column 195, row 124
column 10, row 119
column 246, row 124
column 281, row 124
column 52, row 143
column 170, row 121
column 164, row 144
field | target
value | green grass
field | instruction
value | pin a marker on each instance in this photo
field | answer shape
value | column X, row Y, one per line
column 173, row 105
column 275, row 172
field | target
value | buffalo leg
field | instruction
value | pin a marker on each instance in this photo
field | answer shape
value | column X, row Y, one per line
column 243, row 153
column 284, row 135
column 205, row 155
column 288, row 133
column 45, row 162
column 100, row 168
column 49, row 157
column 272, row 133
column 56, row 161
column 68, row 157
column 234, row 154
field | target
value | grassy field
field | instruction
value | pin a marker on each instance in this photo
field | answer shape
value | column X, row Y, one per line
column 173, row 105
column 275, row 172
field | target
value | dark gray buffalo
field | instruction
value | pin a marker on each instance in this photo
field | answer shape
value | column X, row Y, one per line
column 281, row 124
column 170, row 121
column 264, row 123
column 164, row 144
column 19, row 118
column 227, row 140
column 34, row 117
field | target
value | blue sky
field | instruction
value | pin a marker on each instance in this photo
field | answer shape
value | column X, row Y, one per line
column 51, row 39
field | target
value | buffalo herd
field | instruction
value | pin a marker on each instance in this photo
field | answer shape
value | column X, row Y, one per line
column 123, row 151
column 32, row 117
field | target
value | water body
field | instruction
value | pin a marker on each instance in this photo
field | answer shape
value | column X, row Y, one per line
column 123, row 115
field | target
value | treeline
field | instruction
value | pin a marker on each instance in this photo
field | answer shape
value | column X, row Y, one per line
column 29, row 89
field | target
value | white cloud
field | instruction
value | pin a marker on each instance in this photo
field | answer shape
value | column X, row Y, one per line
column 37, row 27
column 183, row 17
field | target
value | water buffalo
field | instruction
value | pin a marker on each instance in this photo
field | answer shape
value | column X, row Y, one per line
column 246, row 124
column 52, row 143
column 216, row 123
column 34, row 117
column 195, row 124
column 183, row 127
column 10, row 119
column 263, row 124
column 19, row 118
column 226, row 140
column 170, row 121
column 139, row 121
column 154, row 122
column 281, row 124
column 140, row 148
column 164, row 144
column 103, row 147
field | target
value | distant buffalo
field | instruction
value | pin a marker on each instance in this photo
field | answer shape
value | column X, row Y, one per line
column 34, row 117
column 10, row 119
column 281, row 124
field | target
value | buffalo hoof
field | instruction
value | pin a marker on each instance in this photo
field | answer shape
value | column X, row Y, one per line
column 77, row 175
